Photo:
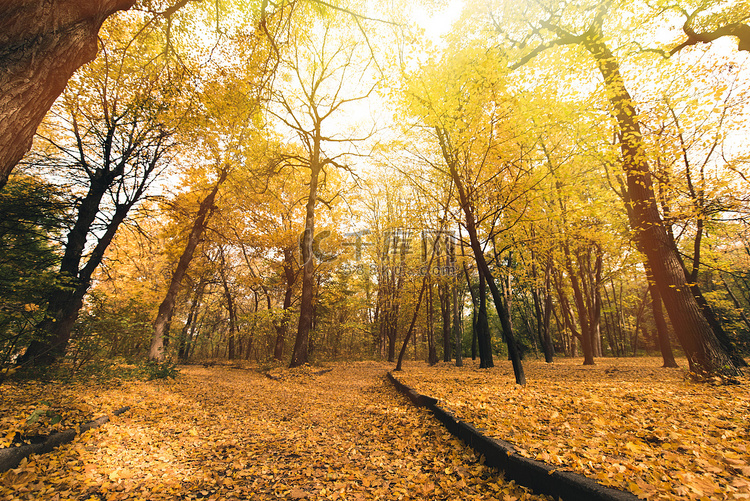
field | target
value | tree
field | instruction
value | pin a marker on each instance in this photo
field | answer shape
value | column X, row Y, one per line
column 156, row 351
column 470, row 120
column 322, row 64
column 558, row 26
column 113, row 143
column 41, row 46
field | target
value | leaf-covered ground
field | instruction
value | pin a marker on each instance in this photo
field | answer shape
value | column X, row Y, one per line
column 223, row 433
column 627, row 423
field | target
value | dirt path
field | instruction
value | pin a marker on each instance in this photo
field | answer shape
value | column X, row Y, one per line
column 235, row 434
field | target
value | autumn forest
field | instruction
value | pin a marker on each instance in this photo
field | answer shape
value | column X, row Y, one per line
column 523, row 210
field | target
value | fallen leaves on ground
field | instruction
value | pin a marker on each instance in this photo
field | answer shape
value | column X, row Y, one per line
column 33, row 408
column 222, row 433
column 628, row 423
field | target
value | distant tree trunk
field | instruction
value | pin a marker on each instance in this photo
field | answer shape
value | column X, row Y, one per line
column 638, row 320
column 609, row 324
column 457, row 327
column 484, row 336
column 425, row 282
column 282, row 325
column 661, row 324
column 156, row 352
column 736, row 303
column 185, row 337
column 445, row 313
column 474, row 306
column 549, row 350
column 432, row 358
column 231, row 309
column 42, row 44
column 474, row 337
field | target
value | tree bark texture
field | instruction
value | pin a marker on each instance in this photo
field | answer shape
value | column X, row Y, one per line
column 661, row 324
column 484, row 336
column 457, row 326
column 42, row 43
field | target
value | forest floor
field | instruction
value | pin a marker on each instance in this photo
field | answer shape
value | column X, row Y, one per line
column 627, row 423
column 230, row 433
column 233, row 433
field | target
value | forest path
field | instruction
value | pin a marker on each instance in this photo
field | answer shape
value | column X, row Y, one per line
column 223, row 433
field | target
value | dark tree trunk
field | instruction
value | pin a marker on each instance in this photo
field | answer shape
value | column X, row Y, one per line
column 474, row 306
column 476, row 247
column 661, row 324
column 583, row 314
column 457, row 326
column 542, row 311
column 185, row 336
column 301, row 342
column 704, row 351
column 431, row 349
column 156, row 351
column 42, row 44
column 282, row 326
column 66, row 303
column 231, row 309
column 425, row 283
column 484, row 336
column 445, row 313
column 549, row 350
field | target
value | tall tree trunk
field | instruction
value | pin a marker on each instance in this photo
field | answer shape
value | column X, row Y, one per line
column 232, row 315
column 445, row 313
column 42, row 44
column 431, row 349
column 474, row 306
column 583, row 314
column 484, row 335
column 156, row 351
column 301, row 342
column 704, row 351
column 549, row 350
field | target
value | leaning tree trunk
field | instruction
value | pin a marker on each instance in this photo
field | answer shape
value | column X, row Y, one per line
column 704, row 351
column 156, row 352
column 476, row 247
column 66, row 302
column 42, row 43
